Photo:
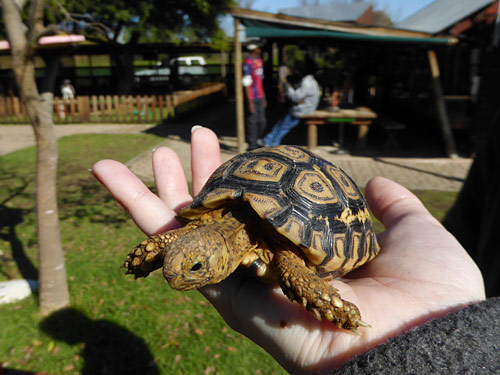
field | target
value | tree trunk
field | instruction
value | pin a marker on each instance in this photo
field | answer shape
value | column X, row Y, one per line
column 54, row 293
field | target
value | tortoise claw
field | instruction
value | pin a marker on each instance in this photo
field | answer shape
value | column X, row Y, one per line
column 360, row 323
column 316, row 314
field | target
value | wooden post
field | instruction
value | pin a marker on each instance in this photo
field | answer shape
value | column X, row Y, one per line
column 153, row 109
column 109, row 108
column 138, row 103
column 86, row 105
column 238, row 75
column 444, row 121
column 116, row 103
column 102, row 108
column 363, row 128
column 312, row 135
column 223, row 62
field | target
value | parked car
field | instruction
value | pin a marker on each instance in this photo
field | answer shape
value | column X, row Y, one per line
column 194, row 65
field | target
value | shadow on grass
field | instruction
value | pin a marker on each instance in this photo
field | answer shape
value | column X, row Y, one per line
column 218, row 116
column 420, row 170
column 9, row 219
column 85, row 198
column 9, row 371
column 108, row 348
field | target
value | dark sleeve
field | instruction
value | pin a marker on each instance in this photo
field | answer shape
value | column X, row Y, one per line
column 466, row 341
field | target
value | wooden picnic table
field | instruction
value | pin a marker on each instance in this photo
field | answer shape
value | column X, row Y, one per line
column 361, row 116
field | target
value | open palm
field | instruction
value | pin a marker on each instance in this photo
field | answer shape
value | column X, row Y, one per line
column 421, row 273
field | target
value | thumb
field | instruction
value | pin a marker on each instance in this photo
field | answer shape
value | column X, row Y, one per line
column 390, row 202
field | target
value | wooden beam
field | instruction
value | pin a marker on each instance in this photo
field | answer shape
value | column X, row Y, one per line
column 444, row 122
column 238, row 88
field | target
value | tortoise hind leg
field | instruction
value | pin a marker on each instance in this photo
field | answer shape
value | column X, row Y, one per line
column 301, row 284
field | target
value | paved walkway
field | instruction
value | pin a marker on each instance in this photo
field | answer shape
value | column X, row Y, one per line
column 414, row 173
column 15, row 137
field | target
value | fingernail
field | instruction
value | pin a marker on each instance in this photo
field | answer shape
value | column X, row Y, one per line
column 196, row 127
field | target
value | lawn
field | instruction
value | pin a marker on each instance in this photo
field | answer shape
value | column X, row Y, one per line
column 116, row 324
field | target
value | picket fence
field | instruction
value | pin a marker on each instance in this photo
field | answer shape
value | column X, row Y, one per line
column 112, row 108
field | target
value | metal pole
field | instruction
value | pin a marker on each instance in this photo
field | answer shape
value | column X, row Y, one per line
column 238, row 88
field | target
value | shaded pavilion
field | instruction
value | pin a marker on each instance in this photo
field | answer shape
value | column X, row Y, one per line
column 281, row 29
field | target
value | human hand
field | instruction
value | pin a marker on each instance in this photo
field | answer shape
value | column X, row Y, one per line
column 421, row 273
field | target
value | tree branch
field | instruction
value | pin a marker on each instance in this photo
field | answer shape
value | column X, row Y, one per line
column 49, row 30
column 14, row 25
column 36, row 26
column 99, row 27
column 20, row 4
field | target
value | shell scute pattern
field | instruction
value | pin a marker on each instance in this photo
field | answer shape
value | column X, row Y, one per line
column 262, row 169
column 308, row 200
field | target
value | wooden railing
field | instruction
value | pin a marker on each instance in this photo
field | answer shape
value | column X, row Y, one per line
column 112, row 108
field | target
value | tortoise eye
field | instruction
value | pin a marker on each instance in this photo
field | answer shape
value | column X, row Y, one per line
column 196, row 267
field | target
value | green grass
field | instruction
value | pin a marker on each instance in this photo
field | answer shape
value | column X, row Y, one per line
column 117, row 325
column 123, row 325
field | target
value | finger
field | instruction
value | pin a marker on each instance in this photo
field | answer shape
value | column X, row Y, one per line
column 390, row 201
column 205, row 156
column 147, row 210
column 170, row 180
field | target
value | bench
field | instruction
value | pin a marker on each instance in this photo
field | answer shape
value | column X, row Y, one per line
column 361, row 117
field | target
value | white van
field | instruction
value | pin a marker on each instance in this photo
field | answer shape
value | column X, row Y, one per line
column 187, row 65
column 189, row 61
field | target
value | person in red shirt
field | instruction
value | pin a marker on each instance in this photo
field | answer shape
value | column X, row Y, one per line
column 253, row 77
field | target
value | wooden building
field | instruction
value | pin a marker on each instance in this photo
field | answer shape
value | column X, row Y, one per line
column 385, row 63
column 431, row 70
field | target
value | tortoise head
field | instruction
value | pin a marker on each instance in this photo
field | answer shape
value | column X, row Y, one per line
column 200, row 257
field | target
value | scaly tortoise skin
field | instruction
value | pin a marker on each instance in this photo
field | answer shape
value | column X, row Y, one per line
column 283, row 214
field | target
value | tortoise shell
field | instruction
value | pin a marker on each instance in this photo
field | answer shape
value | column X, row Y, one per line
column 307, row 199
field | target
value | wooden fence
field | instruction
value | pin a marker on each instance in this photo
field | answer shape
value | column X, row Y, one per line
column 112, row 108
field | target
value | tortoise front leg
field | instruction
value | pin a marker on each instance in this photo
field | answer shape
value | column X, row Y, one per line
column 301, row 284
column 149, row 254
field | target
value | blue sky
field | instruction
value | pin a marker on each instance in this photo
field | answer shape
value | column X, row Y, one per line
column 398, row 9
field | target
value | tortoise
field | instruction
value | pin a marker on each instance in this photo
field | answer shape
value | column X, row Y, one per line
column 282, row 214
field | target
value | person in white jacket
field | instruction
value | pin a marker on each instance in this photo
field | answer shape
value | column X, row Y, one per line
column 67, row 90
column 305, row 98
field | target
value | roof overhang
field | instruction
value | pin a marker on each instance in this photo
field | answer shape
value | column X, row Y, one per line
column 52, row 41
column 269, row 25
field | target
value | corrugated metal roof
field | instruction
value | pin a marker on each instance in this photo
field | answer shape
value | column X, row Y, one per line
column 441, row 14
column 333, row 12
